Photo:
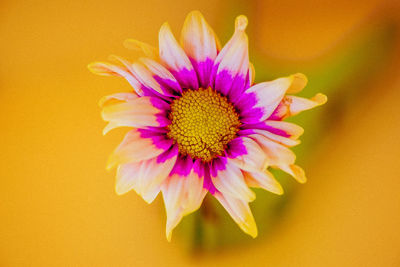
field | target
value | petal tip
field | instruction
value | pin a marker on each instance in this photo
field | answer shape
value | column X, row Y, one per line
column 111, row 163
column 98, row 68
column 195, row 13
column 320, row 98
column 250, row 228
column 241, row 23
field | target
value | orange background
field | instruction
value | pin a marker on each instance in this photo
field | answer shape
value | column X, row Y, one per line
column 57, row 204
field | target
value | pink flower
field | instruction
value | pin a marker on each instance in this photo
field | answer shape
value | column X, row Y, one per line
column 199, row 123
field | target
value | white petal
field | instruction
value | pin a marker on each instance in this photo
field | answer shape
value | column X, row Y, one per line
column 138, row 112
column 173, row 56
column 197, row 38
column 277, row 153
column 182, row 195
column 133, row 148
column 106, row 69
column 148, row 50
column 255, row 158
column 264, row 180
column 299, row 104
column 144, row 177
column 230, row 181
column 116, row 98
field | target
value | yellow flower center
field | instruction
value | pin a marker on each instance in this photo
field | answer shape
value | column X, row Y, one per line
column 203, row 123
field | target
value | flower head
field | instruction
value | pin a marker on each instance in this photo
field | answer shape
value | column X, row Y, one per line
column 199, row 123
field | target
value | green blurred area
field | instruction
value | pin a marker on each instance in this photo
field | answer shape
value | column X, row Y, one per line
column 343, row 75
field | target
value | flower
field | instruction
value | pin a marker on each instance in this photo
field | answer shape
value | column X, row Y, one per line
column 200, row 123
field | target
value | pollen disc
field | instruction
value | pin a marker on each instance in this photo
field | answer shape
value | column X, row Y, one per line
column 203, row 122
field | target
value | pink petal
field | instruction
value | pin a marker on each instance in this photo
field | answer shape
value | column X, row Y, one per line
column 232, row 63
column 173, row 56
column 161, row 73
column 267, row 96
column 199, row 42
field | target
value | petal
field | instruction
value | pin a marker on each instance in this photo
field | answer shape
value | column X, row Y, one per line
column 277, row 138
column 284, row 128
column 295, row 171
column 253, row 160
column 134, row 148
column 106, row 69
column 232, row 63
column 299, row 82
column 293, row 105
column 145, row 177
column 116, row 98
column 173, row 56
column 229, row 180
column 162, row 75
column 264, row 180
column 260, row 100
column 252, row 73
column 149, row 83
column 182, row 195
column 277, row 153
column 240, row 212
column 148, row 50
column 285, row 133
column 199, row 43
column 299, row 104
column 139, row 112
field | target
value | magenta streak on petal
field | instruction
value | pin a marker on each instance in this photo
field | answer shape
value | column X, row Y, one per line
column 249, row 114
column 218, row 164
column 278, row 113
column 208, row 184
column 203, row 70
column 183, row 166
column 203, row 170
column 160, row 104
column 170, row 87
column 245, row 132
column 186, row 78
column 236, row 148
column 162, row 120
column 163, row 106
column 247, row 84
column 160, row 130
column 147, row 91
column 171, row 152
column 198, row 167
column 225, row 83
column 263, row 126
column 158, row 139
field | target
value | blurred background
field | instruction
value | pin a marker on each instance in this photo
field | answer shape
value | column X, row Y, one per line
column 57, row 203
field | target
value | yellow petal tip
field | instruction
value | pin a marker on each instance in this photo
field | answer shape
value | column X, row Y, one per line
column 241, row 23
column 169, row 235
column 320, row 98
